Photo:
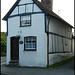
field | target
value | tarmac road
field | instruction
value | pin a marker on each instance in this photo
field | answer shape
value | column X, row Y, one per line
column 67, row 69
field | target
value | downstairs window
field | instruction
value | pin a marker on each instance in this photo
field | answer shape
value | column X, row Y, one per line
column 30, row 43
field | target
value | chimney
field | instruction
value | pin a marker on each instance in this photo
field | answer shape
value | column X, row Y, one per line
column 49, row 3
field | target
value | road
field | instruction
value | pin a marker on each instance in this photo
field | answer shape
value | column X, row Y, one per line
column 66, row 69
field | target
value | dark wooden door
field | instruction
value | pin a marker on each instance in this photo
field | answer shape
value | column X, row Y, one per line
column 14, row 48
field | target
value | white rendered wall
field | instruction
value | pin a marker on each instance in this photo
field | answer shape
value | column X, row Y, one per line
column 58, row 57
column 59, row 28
column 36, row 8
column 8, row 51
column 15, row 11
column 58, row 44
column 25, row 2
column 37, row 28
column 21, row 9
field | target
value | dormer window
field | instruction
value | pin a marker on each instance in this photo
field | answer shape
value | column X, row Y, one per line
column 25, row 20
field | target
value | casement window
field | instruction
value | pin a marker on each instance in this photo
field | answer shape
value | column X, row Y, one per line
column 25, row 20
column 30, row 43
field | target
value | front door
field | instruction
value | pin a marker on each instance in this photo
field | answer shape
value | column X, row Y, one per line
column 14, row 48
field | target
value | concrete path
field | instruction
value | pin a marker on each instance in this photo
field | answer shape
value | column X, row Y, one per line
column 67, row 69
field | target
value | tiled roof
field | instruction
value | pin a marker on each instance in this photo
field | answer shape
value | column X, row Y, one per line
column 50, row 12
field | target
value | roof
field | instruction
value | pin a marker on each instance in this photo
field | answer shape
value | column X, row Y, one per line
column 50, row 12
column 43, row 7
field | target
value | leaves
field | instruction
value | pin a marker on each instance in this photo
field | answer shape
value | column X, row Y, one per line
column 3, row 41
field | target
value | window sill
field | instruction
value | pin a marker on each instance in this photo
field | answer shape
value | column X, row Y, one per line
column 25, row 26
column 29, row 50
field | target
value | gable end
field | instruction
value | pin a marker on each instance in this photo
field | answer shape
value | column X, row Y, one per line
column 16, row 4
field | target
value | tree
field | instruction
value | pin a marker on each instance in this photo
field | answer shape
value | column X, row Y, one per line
column 3, row 41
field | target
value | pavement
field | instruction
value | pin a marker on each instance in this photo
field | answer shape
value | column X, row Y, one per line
column 66, row 69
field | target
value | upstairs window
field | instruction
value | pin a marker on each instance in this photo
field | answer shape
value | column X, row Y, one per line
column 30, row 43
column 25, row 20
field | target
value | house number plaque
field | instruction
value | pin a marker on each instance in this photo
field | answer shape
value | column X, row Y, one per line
column 21, row 42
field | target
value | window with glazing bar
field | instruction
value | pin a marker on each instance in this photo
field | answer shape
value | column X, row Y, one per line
column 25, row 20
column 30, row 43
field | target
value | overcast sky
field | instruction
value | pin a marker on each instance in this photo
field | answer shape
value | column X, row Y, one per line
column 64, row 8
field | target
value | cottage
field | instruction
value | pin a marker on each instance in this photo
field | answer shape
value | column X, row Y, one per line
column 36, row 36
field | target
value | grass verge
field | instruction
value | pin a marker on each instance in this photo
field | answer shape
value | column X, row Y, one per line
column 60, row 63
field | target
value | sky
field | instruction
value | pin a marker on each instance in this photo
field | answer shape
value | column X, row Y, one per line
column 64, row 8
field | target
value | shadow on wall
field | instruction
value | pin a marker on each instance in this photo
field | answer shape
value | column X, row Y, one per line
column 73, row 44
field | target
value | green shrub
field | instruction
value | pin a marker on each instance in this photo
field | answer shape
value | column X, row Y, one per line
column 3, row 42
